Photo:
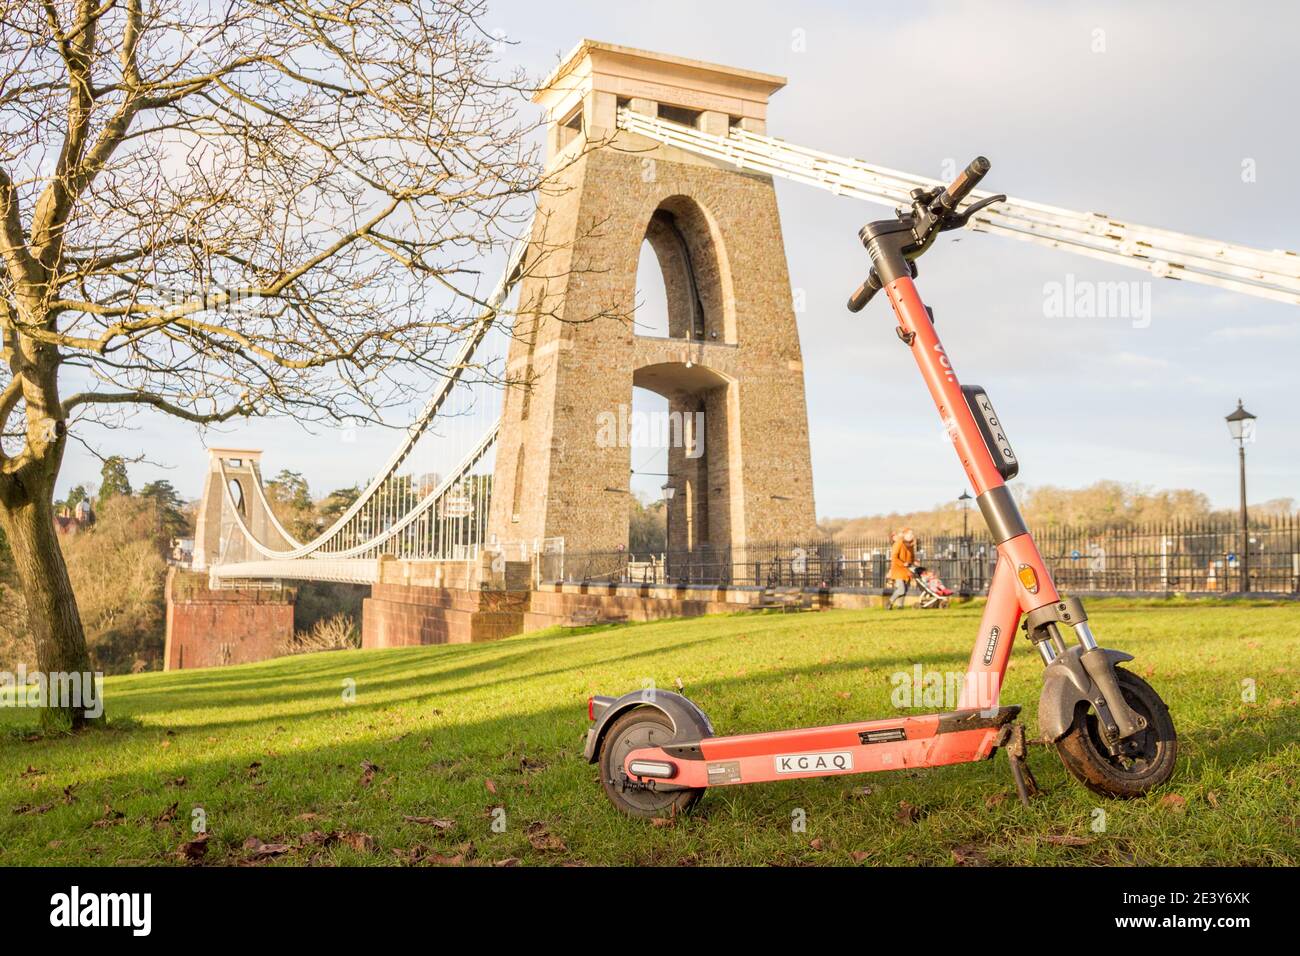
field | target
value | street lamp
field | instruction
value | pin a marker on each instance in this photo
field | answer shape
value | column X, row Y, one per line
column 965, row 498
column 1241, row 425
column 667, row 491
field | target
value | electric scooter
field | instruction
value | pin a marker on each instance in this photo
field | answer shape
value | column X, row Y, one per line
column 658, row 753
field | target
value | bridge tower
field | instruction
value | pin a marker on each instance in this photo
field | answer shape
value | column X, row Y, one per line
column 216, row 538
column 730, row 365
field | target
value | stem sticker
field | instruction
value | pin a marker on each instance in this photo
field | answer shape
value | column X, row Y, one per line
column 994, row 633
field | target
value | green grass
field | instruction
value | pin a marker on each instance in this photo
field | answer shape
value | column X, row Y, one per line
column 273, row 752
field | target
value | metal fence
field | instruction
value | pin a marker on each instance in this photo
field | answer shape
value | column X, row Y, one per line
column 1192, row 556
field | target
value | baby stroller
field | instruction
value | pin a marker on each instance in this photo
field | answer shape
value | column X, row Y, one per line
column 934, row 593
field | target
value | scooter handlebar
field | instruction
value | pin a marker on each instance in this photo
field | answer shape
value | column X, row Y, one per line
column 863, row 293
column 965, row 182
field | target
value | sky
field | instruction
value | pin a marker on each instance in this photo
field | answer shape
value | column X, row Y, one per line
column 1179, row 115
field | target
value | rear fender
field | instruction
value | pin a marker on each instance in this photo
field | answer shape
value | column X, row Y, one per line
column 689, row 722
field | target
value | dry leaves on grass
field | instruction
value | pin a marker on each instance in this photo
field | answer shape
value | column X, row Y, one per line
column 1174, row 802
column 193, row 850
column 368, row 771
column 24, row 809
column 969, row 854
column 1067, row 839
column 111, row 817
column 361, row 842
column 167, row 816
column 435, row 822
column 543, row 840
column 907, row 813
column 259, row 850
column 30, row 772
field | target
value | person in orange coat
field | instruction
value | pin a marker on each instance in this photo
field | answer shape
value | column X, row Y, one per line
column 901, row 558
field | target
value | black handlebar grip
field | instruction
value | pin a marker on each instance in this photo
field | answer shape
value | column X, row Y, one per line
column 965, row 182
column 863, row 293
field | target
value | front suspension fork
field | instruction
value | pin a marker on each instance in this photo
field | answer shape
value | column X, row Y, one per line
column 1083, row 672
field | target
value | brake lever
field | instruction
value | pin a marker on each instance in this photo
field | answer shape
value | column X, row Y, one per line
column 960, row 220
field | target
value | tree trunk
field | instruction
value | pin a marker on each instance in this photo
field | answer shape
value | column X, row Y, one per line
column 28, row 517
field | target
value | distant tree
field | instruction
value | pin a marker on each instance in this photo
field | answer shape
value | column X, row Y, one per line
column 647, row 527
column 172, row 522
column 290, row 489
column 338, row 501
column 290, row 501
column 114, row 479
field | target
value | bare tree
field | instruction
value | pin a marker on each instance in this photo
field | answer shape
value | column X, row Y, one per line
column 224, row 209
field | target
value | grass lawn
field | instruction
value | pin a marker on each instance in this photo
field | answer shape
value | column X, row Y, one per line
column 273, row 752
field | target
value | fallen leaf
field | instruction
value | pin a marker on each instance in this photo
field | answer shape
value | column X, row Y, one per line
column 661, row 822
column 996, row 799
column 30, row 772
column 68, row 795
column 368, row 771
column 859, row 856
column 24, row 809
column 542, row 839
column 434, row 822
column 110, row 818
column 508, row 861
column 1067, row 839
column 307, row 816
column 361, row 842
column 1212, row 798
column 179, row 782
column 1174, row 802
column 491, row 787
column 907, row 813
column 260, row 849
column 816, row 844
column 194, row 849
column 969, row 855
column 167, row 816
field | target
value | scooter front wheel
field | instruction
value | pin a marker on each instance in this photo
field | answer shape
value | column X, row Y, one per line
column 640, row 727
column 1139, row 763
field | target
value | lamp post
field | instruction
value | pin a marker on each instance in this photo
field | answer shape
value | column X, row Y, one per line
column 1241, row 425
column 667, row 491
column 965, row 498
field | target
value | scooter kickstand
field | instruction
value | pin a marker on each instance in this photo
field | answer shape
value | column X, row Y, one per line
column 1017, row 749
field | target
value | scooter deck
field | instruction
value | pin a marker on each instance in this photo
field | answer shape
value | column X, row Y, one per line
column 896, row 743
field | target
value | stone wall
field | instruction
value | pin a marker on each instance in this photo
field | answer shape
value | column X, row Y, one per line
column 401, row 615
column 207, row 628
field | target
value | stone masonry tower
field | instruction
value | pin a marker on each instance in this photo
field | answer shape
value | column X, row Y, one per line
column 730, row 361
column 216, row 538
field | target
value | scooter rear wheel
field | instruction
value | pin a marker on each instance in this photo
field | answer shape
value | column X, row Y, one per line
column 1144, row 761
column 640, row 727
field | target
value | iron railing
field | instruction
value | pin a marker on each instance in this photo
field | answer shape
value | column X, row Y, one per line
column 1201, row 556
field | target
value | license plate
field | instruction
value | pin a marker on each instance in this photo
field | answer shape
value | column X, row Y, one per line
column 834, row 761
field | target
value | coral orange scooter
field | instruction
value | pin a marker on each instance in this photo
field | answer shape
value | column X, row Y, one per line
column 657, row 750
